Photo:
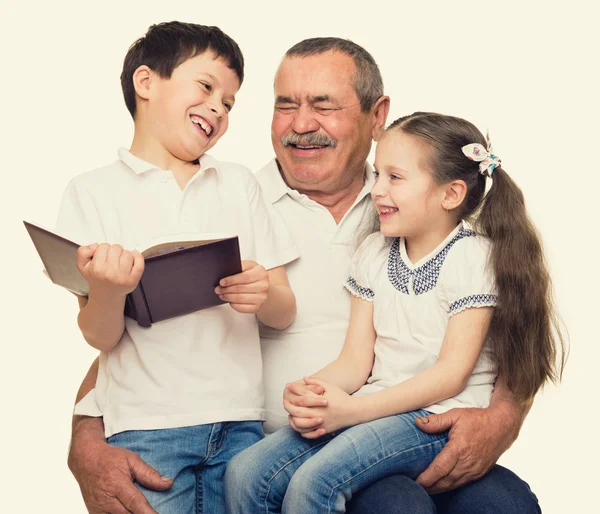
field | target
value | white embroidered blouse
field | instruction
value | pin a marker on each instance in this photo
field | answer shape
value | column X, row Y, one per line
column 413, row 303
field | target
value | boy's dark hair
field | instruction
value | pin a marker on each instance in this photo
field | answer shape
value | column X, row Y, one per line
column 525, row 330
column 368, row 84
column 167, row 45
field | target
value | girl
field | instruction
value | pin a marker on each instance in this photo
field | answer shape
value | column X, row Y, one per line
column 439, row 306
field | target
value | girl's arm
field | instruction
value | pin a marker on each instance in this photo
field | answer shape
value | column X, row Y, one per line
column 460, row 350
column 352, row 367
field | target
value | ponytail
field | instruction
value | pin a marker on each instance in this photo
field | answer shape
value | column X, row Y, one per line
column 524, row 330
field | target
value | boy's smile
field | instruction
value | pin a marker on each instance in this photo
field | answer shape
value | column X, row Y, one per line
column 186, row 114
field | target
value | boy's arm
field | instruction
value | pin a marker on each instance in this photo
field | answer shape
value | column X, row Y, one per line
column 111, row 273
column 463, row 342
column 477, row 439
column 279, row 309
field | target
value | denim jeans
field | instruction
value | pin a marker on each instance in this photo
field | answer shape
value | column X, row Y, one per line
column 195, row 458
column 498, row 492
column 287, row 473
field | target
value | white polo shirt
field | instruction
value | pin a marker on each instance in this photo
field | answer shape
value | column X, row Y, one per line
column 203, row 367
column 317, row 335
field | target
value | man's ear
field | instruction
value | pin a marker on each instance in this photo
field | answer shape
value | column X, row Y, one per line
column 454, row 194
column 380, row 111
column 142, row 81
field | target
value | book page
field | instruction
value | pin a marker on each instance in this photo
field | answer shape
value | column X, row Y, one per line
column 176, row 242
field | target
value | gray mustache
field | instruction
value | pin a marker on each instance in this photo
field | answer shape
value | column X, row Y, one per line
column 308, row 139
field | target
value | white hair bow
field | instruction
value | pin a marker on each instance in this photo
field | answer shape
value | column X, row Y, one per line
column 488, row 162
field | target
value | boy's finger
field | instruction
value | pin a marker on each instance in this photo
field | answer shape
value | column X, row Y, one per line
column 138, row 267
column 114, row 255
column 248, row 265
column 246, row 277
column 241, row 299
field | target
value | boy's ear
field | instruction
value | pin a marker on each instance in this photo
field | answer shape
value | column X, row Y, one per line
column 380, row 111
column 142, row 81
column 455, row 193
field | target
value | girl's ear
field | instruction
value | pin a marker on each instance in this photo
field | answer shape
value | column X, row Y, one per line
column 455, row 193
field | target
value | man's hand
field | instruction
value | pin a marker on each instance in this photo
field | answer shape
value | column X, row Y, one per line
column 106, row 473
column 477, row 438
column 247, row 291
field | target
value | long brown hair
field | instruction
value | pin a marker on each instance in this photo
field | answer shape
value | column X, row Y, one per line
column 528, row 345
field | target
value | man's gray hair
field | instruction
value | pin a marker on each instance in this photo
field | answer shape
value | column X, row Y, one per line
column 368, row 84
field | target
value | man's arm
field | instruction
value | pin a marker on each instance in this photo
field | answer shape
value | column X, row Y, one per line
column 105, row 473
column 477, row 438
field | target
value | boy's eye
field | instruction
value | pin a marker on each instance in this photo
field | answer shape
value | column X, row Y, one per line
column 376, row 174
column 227, row 106
column 393, row 177
column 206, row 85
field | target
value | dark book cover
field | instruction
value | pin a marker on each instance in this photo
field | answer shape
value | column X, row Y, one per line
column 177, row 281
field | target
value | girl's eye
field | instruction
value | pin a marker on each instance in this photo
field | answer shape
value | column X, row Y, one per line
column 376, row 174
column 394, row 177
column 227, row 106
column 208, row 87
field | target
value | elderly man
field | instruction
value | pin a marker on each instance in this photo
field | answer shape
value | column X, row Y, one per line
column 329, row 107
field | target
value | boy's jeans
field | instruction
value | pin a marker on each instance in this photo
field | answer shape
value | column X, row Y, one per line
column 288, row 473
column 195, row 458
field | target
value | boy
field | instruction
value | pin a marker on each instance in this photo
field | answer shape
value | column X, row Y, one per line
column 185, row 394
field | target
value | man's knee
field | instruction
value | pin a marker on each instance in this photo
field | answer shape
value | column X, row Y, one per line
column 396, row 494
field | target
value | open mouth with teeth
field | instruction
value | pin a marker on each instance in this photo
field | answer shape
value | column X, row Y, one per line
column 386, row 211
column 308, row 147
column 202, row 125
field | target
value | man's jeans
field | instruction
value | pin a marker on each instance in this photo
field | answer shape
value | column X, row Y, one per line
column 498, row 492
column 195, row 458
column 288, row 473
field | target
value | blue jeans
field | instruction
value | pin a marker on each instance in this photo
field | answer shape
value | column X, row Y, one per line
column 288, row 473
column 498, row 492
column 195, row 458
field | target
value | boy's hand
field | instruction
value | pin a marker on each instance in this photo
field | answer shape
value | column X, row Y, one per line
column 110, row 270
column 339, row 411
column 247, row 291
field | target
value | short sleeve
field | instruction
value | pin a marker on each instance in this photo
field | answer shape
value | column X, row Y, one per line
column 467, row 279
column 273, row 242
column 360, row 282
column 78, row 217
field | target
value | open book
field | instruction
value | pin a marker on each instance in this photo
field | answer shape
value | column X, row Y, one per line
column 179, row 276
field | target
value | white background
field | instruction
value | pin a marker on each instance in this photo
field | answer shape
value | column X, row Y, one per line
column 525, row 72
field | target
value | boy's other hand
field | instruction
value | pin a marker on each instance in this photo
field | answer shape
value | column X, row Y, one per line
column 247, row 291
column 110, row 270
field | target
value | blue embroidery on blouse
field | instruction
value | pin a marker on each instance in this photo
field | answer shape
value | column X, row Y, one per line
column 476, row 300
column 361, row 292
column 425, row 276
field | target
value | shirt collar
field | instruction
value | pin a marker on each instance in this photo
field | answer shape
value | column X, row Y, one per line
column 140, row 166
column 274, row 187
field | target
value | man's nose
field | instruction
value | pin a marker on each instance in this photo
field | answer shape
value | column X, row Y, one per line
column 305, row 120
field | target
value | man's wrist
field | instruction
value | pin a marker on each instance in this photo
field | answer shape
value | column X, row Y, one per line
column 86, row 432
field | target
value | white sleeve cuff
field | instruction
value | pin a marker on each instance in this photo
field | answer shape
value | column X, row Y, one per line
column 87, row 406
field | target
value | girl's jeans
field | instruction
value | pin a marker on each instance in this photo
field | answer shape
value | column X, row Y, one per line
column 287, row 473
